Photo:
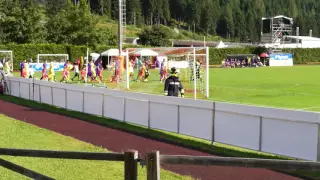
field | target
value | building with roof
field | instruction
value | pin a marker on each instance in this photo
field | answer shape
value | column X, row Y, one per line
column 295, row 42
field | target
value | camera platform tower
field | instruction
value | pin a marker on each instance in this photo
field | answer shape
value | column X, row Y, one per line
column 273, row 31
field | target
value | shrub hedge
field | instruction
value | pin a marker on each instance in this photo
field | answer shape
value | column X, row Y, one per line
column 27, row 51
column 300, row 55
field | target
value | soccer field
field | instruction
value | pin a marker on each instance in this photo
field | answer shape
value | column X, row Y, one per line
column 295, row 87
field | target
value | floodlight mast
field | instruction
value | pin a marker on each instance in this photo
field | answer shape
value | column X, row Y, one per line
column 120, row 32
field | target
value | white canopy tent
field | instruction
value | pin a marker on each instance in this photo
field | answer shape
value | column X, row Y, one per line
column 145, row 52
column 113, row 52
column 221, row 45
column 94, row 56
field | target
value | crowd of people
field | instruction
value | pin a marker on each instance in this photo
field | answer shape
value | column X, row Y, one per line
column 255, row 61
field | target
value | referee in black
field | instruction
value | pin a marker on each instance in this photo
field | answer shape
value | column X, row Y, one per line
column 173, row 85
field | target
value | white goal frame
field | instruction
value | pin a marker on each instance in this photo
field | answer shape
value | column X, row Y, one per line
column 194, row 55
column 190, row 53
column 11, row 56
column 64, row 55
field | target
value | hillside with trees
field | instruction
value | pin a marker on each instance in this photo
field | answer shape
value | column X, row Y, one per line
column 79, row 22
column 235, row 19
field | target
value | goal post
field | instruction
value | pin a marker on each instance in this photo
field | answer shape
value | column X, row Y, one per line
column 192, row 63
column 8, row 55
column 51, row 57
column 207, row 72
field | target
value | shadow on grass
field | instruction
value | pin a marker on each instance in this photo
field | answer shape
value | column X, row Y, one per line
column 158, row 135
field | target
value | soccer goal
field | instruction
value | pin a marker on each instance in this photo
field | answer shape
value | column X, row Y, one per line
column 6, row 55
column 192, row 62
column 58, row 58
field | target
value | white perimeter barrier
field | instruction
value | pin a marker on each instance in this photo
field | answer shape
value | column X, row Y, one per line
column 278, row 131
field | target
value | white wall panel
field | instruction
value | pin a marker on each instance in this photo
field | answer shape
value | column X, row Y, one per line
column 114, row 107
column 59, row 97
column 75, row 100
column 24, row 90
column 45, row 93
column 93, row 103
column 36, row 93
column 136, row 112
column 236, row 129
column 292, row 139
column 196, row 122
column 164, row 116
column 15, row 88
column 267, row 112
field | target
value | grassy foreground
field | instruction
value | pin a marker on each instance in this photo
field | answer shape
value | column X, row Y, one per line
column 294, row 87
column 17, row 134
column 177, row 139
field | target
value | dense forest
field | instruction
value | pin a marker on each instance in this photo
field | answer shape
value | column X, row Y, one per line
column 74, row 21
column 239, row 19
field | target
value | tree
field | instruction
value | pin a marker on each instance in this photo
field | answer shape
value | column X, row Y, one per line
column 53, row 7
column 166, row 11
column 22, row 22
column 75, row 24
column 58, row 25
column 103, row 36
column 134, row 14
column 35, row 31
column 293, row 10
column 155, row 36
column 102, row 7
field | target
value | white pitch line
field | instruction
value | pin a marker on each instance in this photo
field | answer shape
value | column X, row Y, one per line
column 313, row 107
column 252, row 89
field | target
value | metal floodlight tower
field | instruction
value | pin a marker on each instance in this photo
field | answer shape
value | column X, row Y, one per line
column 121, row 23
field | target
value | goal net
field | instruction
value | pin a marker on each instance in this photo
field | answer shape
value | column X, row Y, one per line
column 6, row 56
column 56, row 58
column 191, row 62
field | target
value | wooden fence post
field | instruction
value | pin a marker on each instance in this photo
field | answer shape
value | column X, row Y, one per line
column 153, row 166
column 131, row 165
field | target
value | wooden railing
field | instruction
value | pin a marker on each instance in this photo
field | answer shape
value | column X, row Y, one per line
column 129, row 157
column 153, row 162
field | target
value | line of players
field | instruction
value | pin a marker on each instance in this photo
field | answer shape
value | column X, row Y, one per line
column 94, row 71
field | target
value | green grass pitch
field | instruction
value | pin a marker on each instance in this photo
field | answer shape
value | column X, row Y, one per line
column 25, row 136
column 294, row 87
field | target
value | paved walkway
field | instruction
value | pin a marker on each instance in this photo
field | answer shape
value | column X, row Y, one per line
column 119, row 141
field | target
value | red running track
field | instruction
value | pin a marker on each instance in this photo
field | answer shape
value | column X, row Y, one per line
column 119, row 141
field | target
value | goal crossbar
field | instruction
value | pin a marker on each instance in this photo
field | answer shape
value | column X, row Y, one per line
column 11, row 56
column 52, row 55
